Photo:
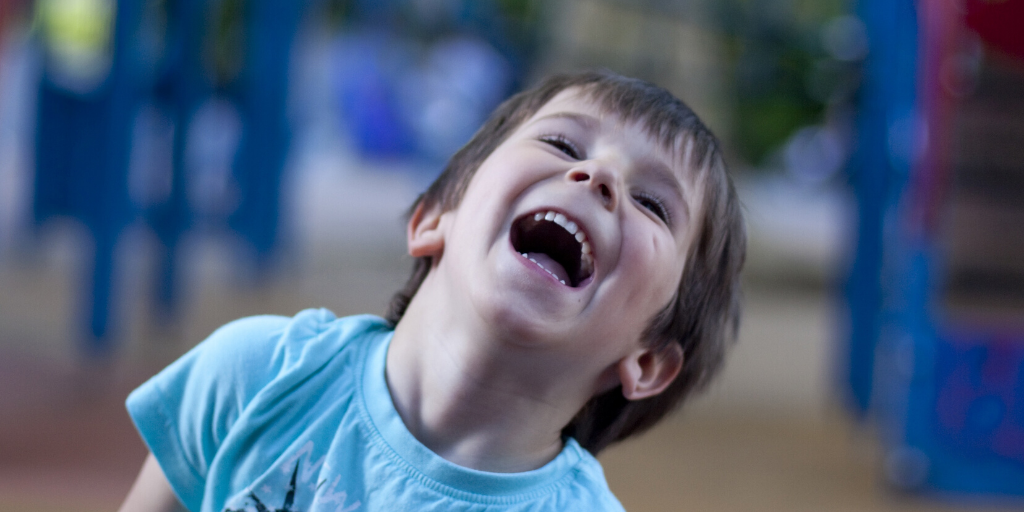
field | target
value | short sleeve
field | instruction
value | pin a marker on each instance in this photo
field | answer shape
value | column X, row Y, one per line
column 184, row 412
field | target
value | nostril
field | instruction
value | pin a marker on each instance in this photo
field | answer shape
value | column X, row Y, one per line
column 596, row 182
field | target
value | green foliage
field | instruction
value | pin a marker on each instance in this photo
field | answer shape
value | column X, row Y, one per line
column 520, row 10
column 226, row 41
column 783, row 77
column 764, row 123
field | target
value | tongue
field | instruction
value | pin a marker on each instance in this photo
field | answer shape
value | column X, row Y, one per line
column 549, row 264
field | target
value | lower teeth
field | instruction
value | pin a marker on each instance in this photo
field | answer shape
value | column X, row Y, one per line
column 542, row 267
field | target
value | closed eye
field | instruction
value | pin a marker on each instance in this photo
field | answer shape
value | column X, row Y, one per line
column 561, row 143
column 655, row 205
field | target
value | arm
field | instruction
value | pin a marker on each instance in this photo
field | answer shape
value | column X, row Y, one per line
column 151, row 492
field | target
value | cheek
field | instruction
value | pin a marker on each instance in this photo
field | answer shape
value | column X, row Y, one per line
column 504, row 176
column 658, row 264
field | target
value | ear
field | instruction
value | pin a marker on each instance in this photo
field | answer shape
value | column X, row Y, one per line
column 424, row 235
column 646, row 372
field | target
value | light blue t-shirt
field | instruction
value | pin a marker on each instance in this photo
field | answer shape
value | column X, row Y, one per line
column 294, row 414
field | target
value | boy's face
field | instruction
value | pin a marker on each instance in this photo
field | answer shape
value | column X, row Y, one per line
column 573, row 233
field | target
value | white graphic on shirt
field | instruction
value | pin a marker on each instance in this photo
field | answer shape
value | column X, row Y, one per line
column 310, row 469
column 329, row 496
column 301, row 479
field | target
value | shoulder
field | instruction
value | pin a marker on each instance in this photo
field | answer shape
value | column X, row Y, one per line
column 240, row 358
column 256, row 331
column 186, row 412
column 255, row 351
column 284, row 340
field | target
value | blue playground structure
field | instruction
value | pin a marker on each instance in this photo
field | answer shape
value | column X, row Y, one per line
column 102, row 60
column 109, row 62
column 935, row 354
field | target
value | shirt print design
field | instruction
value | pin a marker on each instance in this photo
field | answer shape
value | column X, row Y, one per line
column 322, row 496
column 289, row 498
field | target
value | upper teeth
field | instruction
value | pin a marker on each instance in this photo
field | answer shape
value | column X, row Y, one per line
column 586, row 254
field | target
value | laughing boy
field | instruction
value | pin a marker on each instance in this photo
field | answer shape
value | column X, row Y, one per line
column 576, row 277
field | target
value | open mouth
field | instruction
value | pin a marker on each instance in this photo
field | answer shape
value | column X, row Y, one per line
column 556, row 244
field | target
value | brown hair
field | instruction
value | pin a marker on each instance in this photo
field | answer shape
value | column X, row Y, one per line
column 703, row 316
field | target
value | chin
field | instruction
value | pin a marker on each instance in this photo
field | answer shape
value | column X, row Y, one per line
column 520, row 322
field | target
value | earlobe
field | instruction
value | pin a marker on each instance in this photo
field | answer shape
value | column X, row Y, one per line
column 647, row 372
column 424, row 234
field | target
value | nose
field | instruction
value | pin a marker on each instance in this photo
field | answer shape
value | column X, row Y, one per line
column 599, row 180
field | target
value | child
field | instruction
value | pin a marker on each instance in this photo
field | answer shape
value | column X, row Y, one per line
column 576, row 276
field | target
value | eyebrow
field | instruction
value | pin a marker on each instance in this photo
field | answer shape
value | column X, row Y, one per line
column 585, row 120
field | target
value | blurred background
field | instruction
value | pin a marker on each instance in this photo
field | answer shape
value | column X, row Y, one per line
column 167, row 166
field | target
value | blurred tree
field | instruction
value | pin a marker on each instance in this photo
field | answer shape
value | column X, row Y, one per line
column 225, row 56
column 784, row 69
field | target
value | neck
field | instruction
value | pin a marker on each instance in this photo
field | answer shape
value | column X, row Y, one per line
column 476, row 399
